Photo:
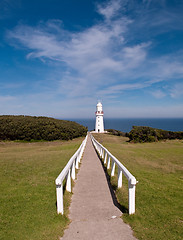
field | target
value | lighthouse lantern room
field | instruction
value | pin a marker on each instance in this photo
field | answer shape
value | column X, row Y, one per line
column 99, row 125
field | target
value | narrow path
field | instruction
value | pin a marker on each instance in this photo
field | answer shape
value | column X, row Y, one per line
column 92, row 212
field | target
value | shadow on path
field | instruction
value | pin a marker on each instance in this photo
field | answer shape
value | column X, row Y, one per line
column 112, row 188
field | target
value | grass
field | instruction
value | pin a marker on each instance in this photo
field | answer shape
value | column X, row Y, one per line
column 28, row 192
column 159, row 169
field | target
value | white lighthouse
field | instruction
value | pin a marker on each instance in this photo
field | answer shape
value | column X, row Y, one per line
column 99, row 125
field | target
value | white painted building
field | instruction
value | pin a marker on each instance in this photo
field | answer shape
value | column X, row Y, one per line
column 99, row 125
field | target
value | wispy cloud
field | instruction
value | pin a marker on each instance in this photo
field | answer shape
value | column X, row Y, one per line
column 158, row 94
column 109, row 9
column 177, row 91
column 93, row 54
column 110, row 57
column 149, row 111
column 4, row 99
column 122, row 87
column 6, row 7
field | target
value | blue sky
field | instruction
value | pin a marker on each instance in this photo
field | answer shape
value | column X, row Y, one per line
column 58, row 57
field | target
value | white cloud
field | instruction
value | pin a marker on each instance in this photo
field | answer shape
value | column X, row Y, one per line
column 82, row 107
column 91, row 54
column 168, row 111
column 177, row 91
column 103, row 59
column 4, row 99
column 6, row 7
column 122, row 87
column 110, row 9
column 158, row 94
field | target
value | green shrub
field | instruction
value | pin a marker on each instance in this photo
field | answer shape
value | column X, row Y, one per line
column 29, row 128
column 148, row 134
column 116, row 132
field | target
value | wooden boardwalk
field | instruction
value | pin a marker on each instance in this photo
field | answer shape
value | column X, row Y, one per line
column 92, row 212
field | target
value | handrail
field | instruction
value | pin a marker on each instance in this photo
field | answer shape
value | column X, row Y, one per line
column 68, row 172
column 107, row 156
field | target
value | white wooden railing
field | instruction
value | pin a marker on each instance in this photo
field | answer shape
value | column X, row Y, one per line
column 68, row 172
column 107, row 156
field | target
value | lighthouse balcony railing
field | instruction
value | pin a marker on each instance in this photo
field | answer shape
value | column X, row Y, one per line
column 99, row 112
column 107, row 158
column 67, row 173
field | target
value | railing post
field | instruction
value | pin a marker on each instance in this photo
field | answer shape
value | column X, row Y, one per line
column 113, row 168
column 77, row 162
column 60, row 205
column 119, row 178
column 80, row 155
column 131, row 198
column 73, row 173
column 68, row 184
column 96, row 146
column 108, row 162
column 100, row 152
column 103, row 153
column 105, row 159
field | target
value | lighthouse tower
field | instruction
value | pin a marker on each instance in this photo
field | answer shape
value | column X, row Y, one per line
column 99, row 125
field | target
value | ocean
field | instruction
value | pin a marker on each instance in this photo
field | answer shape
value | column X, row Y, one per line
column 125, row 125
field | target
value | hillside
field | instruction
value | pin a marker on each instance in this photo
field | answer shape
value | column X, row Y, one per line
column 29, row 128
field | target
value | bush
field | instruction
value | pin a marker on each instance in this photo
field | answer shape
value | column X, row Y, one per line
column 29, row 128
column 148, row 134
column 116, row 132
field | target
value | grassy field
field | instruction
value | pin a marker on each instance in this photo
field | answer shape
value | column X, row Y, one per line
column 159, row 194
column 28, row 192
